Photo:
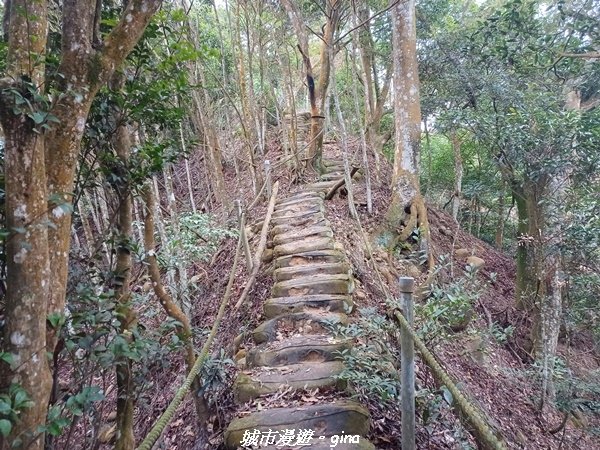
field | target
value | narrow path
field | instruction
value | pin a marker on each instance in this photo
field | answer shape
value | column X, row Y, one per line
column 295, row 349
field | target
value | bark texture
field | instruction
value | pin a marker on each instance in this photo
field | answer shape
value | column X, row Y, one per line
column 407, row 213
column 41, row 162
column 27, row 262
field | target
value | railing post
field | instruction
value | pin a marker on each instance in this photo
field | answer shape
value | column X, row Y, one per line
column 407, row 363
column 268, row 180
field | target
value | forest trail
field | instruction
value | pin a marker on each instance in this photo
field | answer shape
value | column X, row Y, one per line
column 295, row 348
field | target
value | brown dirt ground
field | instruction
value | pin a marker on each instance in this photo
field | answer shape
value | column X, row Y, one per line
column 506, row 399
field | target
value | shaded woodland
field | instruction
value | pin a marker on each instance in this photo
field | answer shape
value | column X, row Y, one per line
column 146, row 147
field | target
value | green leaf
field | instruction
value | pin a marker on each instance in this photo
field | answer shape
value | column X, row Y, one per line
column 38, row 117
column 5, row 408
column 56, row 320
column 7, row 357
column 5, row 427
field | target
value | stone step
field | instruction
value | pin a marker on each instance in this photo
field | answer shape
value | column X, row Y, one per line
column 304, row 376
column 305, row 219
column 297, row 349
column 297, row 196
column 305, row 245
column 328, row 419
column 302, row 233
column 335, row 255
column 299, row 209
column 327, row 163
column 320, row 186
column 314, row 197
column 340, row 284
column 287, row 227
column 274, row 307
column 305, row 270
column 304, row 323
column 332, row 176
column 346, row 441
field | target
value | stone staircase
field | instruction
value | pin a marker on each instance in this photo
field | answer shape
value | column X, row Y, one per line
column 294, row 348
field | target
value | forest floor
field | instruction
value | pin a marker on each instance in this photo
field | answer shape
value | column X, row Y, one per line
column 494, row 373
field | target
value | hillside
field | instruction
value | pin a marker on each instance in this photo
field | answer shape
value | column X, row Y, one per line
column 491, row 367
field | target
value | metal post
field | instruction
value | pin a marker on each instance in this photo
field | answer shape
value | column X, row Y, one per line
column 407, row 377
column 242, row 224
column 268, row 180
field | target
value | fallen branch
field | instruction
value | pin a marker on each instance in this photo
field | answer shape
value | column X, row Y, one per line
column 262, row 244
column 339, row 184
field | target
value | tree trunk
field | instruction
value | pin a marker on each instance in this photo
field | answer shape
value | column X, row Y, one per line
column 407, row 212
column 317, row 92
column 28, row 274
column 499, row 236
column 40, row 165
column 344, row 133
column 458, row 175
column 529, row 235
column 125, row 385
column 28, row 279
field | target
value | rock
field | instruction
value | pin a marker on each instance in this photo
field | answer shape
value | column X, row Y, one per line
column 476, row 262
column 267, row 256
column 304, row 245
column 340, row 284
column 302, row 233
column 297, row 349
column 462, row 252
column 310, row 257
column 307, row 219
column 305, row 376
column 413, row 271
column 274, row 307
column 288, row 273
column 445, row 231
column 353, row 442
column 325, row 420
column 299, row 209
column 314, row 322
column 239, row 355
column 237, row 341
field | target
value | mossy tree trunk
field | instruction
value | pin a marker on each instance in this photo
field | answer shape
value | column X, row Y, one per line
column 28, row 274
column 122, row 144
column 41, row 157
column 407, row 212
column 317, row 90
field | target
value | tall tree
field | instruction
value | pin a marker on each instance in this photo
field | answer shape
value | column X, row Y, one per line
column 43, row 119
column 317, row 91
column 407, row 208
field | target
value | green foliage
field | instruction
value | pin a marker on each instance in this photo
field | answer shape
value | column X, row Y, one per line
column 450, row 306
column 501, row 335
column 198, row 237
column 574, row 394
column 27, row 100
column 216, row 375
column 370, row 368
column 11, row 404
